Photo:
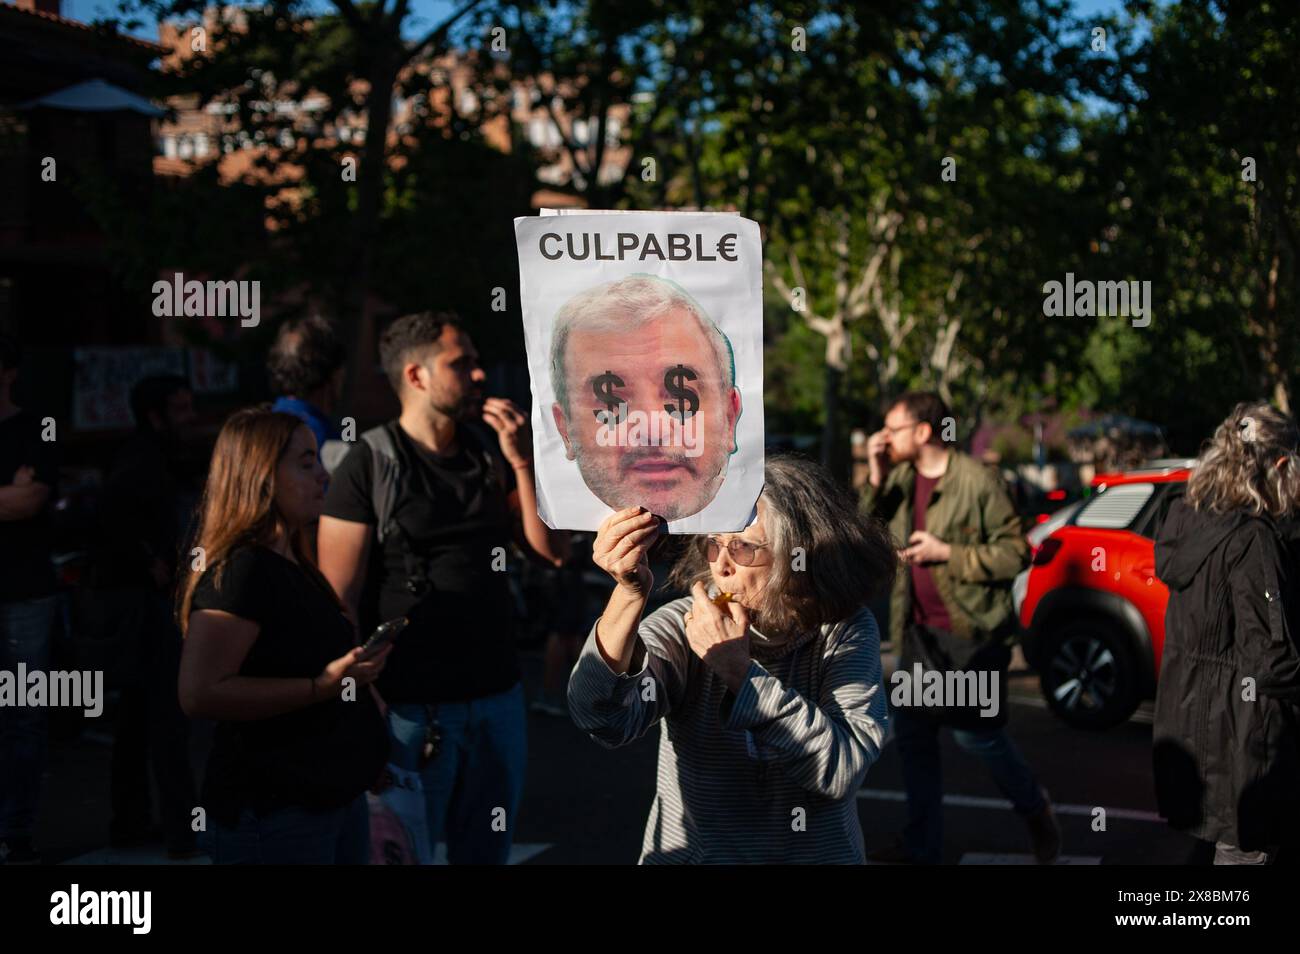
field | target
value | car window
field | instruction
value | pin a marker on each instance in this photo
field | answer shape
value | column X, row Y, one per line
column 1115, row 508
column 1055, row 522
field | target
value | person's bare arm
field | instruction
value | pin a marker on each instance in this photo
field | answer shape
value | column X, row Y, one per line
column 616, row 630
column 532, row 533
column 210, row 686
column 23, row 501
column 631, row 673
column 621, row 550
column 342, row 551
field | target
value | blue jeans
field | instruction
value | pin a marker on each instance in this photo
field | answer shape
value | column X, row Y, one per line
column 25, row 628
column 917, row 736
column 295, row 836
column 479, row 770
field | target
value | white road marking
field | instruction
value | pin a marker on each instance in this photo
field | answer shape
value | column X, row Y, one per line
column 972, row 801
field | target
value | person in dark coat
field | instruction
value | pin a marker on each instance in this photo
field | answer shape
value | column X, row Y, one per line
column 1226, row 738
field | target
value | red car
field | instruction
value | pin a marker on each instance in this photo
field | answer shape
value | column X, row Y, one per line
column 1091, row 609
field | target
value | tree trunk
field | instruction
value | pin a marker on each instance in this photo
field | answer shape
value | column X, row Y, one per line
column 831, row 420
column 371, row 172
column 837, row 339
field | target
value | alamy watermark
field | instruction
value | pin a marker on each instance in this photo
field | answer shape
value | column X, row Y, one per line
column 1089, row 299
column 677, row 425
column 40, row 689
column 77, row 907
column 951, row 689
column 179, row 298
column 624, row 428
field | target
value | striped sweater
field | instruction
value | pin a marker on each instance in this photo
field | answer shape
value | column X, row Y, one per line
column 766, row 775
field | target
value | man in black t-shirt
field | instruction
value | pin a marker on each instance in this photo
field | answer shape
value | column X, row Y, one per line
column 27, row 479
column 466, row 491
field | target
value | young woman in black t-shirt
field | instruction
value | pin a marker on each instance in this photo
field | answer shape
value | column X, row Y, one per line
column 270, row 655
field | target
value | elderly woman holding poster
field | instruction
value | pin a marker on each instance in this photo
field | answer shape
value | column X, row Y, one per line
column 766, row 680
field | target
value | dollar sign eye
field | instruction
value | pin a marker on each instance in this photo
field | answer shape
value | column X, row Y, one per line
column 685, row 401
column 603, row 387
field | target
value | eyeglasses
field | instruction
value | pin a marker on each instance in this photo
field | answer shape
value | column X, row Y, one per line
column 900, row 427
column 741, row 551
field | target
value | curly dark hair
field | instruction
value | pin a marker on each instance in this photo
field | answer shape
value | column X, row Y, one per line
column 306, row 354
column 828, row 560
column 405, row 334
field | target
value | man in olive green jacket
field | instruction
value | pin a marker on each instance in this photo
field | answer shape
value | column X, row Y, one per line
column 973, row 536
column 951, row 618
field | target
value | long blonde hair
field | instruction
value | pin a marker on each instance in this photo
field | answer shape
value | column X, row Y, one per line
column 1237, row 469
column 238, row 505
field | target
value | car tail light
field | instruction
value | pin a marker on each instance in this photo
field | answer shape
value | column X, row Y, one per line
column 1056, row 495
column 1044, row 554
column 1043, row 518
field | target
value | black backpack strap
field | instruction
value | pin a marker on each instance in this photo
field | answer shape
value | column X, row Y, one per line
column 385, row 478
column 385, row 489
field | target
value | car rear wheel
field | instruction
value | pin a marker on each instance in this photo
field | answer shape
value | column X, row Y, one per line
column 1089, row 673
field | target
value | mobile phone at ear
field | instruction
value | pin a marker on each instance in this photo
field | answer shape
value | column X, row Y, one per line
column 382, row 636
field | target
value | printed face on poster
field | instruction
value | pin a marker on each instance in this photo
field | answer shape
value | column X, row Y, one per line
column 644, row 335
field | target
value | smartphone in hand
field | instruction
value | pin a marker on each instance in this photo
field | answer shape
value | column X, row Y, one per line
column 382, row 636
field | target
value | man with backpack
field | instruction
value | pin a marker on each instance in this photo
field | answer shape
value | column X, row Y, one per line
column 418, row 521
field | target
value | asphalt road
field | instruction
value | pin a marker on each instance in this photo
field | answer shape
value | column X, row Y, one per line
column 586, row 805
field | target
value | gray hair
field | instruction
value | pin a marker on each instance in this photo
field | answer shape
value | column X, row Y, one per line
column 848, row 557
column 627, row 304
column 1237, row 469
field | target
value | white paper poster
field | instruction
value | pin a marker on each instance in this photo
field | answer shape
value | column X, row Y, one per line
column 644, row 333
